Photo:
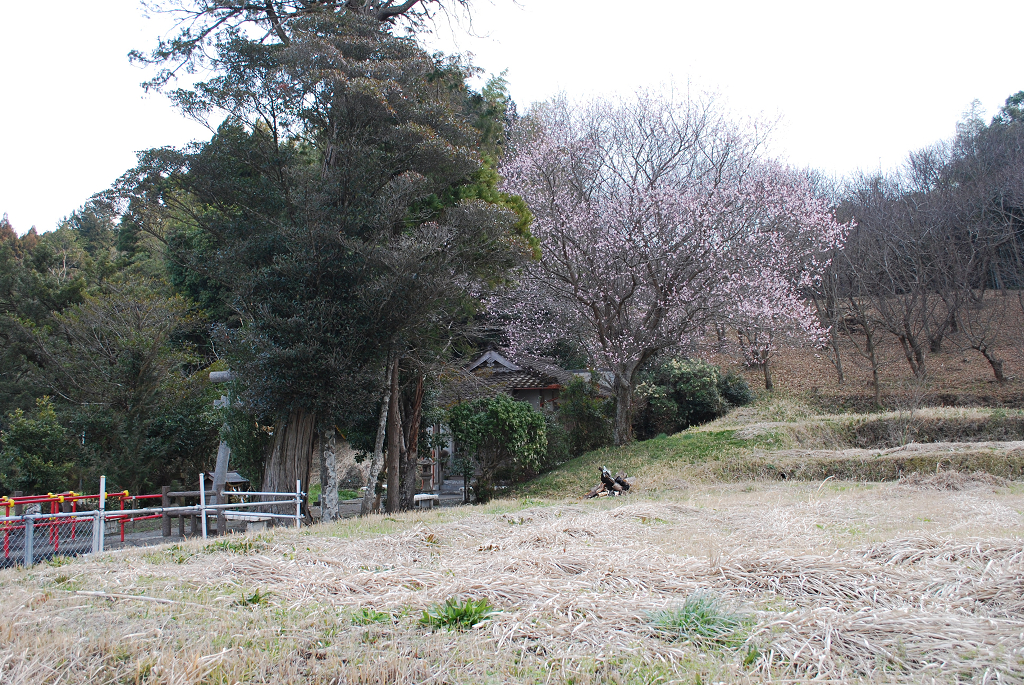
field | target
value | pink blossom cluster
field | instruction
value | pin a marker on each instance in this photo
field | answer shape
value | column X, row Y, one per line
column 656, row 218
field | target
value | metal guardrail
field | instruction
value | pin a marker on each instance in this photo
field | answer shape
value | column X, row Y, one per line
column 31, row 538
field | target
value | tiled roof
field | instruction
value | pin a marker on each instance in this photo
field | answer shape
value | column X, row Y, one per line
column 522, row 380
column 493, row 380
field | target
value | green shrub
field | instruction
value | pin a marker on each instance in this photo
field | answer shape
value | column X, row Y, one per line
column 703, row 620
column 679, row 393
column 585, row 416
column 734, row 390
column 558, row 451
column 501, row 435
column 36, row 454
column 457, row 614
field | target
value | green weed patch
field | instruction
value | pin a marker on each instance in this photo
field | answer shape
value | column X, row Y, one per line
column 456, row 614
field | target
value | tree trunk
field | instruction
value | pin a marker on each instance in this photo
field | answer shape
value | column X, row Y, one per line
column 996, row 364
column 291, row 455
column 623, row 410
column 873, row 359
column 767, row 375
column 723, row 342
column 370, row 496
column 914, row 354
column 328, row 476
column 411, row 430
column 837, row 359
column 394, row 437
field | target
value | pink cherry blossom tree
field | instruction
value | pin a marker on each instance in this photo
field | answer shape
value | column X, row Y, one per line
column 656, row 216
column 788, row 261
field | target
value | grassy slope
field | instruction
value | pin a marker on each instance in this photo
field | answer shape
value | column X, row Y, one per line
column 782, row 439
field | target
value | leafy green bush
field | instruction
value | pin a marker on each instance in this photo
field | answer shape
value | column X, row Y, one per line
column 585, row 416
column 36, row 454
column 457, row 614
column 501, row 435
column 734, row 390
column 557, row 451
column 701, row 619
column 679, row 393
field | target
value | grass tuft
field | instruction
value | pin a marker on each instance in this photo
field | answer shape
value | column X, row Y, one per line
column 256, row 599
column 703, row 620
column 238, row 545
column 455, row 614
column 368, row 616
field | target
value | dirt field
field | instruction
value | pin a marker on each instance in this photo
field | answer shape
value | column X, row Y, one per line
column 915, row 581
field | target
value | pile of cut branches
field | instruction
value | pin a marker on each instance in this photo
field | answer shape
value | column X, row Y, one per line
column 611, row 486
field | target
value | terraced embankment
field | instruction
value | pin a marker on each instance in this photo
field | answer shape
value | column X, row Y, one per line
column 788, row 442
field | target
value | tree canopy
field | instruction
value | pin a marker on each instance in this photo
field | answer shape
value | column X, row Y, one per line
column 347, row 208
column 203, row 23
column 655, row 217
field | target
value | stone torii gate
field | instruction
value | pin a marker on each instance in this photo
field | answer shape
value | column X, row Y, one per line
column 220, row 472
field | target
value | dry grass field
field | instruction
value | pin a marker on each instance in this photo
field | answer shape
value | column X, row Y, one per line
column 776, row 544
column 920, row 581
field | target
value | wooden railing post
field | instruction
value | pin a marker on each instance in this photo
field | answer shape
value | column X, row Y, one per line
column 165, row 502
column 181, row 518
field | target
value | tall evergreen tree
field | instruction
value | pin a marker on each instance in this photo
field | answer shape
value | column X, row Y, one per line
column 345, row 208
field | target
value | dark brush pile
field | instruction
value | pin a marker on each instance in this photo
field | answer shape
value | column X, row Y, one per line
column 609, row 486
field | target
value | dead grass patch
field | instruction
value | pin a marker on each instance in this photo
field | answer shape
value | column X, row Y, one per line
column 840, row 581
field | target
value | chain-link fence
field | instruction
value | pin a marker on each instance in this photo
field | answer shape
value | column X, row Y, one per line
column 30, row 535
column 32, row 538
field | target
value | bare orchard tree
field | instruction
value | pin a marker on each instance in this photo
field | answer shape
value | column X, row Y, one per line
column 655, row 215
column 857, row 320
column 827, row 300
column 983, row 321
column 983, row 193
column 891, row 252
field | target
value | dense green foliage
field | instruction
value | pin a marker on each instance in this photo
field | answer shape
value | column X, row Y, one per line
column 585, row 415
column 135, row 392
column 347, row 208
column 502, row 437
column 36, row 453
column 96, row 328
column 679, row 393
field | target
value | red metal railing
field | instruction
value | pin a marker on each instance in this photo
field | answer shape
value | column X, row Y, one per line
column 56, row 501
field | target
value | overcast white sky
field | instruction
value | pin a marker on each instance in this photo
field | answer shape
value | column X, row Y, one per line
column 856, row 84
